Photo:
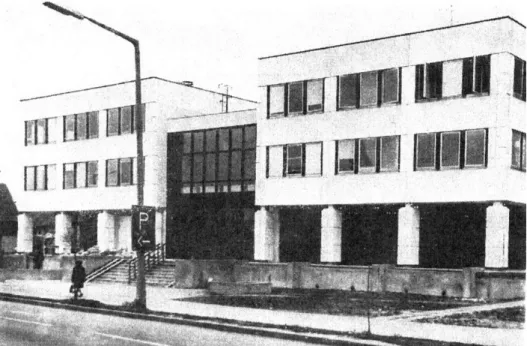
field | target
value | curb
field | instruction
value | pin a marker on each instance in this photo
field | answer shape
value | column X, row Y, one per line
column 265, row 330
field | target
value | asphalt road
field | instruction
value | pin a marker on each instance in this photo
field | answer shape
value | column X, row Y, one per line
column 23, row 324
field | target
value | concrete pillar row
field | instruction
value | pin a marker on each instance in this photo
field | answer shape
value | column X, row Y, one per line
column 105, row 231
column 497, row 236
column 331, row 235
column 25, row 233
column 267, row 235
column 408, row 236
column 63, row 232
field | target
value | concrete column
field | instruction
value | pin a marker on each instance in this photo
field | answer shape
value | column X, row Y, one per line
column 105, row 231
column 25, row 233
column 123, row 231
column 160, row 227
column 408, row 236
column 63, row 232
column 497, row 236
column 266, row 235
column 331, row 235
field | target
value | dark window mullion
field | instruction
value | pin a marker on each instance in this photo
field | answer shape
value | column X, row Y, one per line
column 286, row 99
column 438, row 144
column 377, row 154
column 379, row 87
column 356, row 157
column 336, row 157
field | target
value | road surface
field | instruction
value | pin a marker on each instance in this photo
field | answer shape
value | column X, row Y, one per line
column 23, row 325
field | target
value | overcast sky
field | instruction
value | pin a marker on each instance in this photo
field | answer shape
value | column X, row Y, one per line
column 207, row 42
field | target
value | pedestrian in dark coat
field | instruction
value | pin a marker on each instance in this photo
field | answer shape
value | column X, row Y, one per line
column 78, row 276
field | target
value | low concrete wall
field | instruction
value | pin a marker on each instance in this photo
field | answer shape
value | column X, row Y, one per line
column 334, row 277
column 196, row 273
column 66, row 263
column 500, row 285
column 278, row 274
column 30, row 274
column 435, row 282
column 14, row 262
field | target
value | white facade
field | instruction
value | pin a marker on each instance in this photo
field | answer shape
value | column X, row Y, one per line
column 163, row 100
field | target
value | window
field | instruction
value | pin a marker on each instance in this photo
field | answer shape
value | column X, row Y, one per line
column 275, row 161
column 313, row 159
column 367, row 155
column 276, row 100
column 51, row 177
column 93, row 124
column 518, row 150
column 476, row 75
column 426, row 151
column 475, row 148
column 429, row 81
column 41, row 177
column 80, row 174
column 30, row 176
column 121, row 120
column 368, row 89
column 69, row 176
column 294, row 159
column 93, row 173
column 346, row 156
column 389, row 154
column 349, row 91
column 315, row 95
column 119, row 172
column 451, row 150
column 69, row 127
column 453, row 77
column 40, row 131
column 81, row 126
column 519, row 79
column 296, row 98
column 216, row 160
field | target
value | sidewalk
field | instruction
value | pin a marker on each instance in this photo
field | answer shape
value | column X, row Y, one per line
column 166, row 300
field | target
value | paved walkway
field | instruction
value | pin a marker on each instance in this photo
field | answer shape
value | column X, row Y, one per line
column 166, row 300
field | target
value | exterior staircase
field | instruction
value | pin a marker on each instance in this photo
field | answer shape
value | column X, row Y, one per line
column 118, row 274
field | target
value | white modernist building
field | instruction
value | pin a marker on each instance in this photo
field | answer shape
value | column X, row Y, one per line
column 405, row 150
column 77, row 163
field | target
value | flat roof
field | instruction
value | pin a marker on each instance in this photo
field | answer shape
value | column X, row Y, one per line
column 133, row 81
column 393, row 36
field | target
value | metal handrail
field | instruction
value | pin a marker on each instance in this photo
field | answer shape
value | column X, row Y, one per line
column 152, row 259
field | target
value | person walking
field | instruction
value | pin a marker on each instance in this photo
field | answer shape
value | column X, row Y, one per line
column 78, row 276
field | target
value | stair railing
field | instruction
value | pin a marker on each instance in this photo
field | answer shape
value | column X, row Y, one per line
column 152, row 259
column 105, row 268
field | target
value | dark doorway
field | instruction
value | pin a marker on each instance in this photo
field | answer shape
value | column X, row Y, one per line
column 300, row 234
column 517, row 237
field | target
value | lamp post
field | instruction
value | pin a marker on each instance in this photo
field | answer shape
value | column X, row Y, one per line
column 141, row 284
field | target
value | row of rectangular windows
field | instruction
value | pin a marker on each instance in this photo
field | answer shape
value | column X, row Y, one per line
column 433, row 151
column 81, row 126
column 119, row 172
column 437, row 80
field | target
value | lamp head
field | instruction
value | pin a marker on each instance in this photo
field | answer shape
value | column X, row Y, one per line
column 63, row 10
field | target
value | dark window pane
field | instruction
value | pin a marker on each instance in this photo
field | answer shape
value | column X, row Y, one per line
column 210, row 167
column 348, row 91
column 30, row 178
column 468, row 75
column 294, row 159
column 69, row 176
column 93, row 173
column 482, row 80
column 198, row 141
column 475, row 153
column 368, row 88
column 450, row 149
column 111, row 177
column 426, row 148
column 389, row 153
column 523, row 152
column 315, row 97
column 516, row 149
column 236, row 165
column 250, row 137
column 93, row 124
column 390, row 85
column 81, row 126
column 419, row 82
column 126, row 120
column 367, row 151
column 434, row 80
column 69, row 129
column 187, row 142
column 198, row 168
column 186, row 168
column 126, row 171
column 41, row 177
column 210, row 137
column 296, row 97
column 223, row 166
column 41, row 131
column 236, row 137
column 30, row 132
column 80, row 174
column 249, row 164
column 223, row 139
column 113, row 122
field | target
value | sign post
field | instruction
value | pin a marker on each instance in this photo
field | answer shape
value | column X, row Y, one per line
column 143, row 239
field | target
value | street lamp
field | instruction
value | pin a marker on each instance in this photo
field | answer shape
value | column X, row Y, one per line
column 141, row 284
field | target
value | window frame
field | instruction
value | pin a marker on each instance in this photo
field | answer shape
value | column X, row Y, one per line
column 376, row 103
column 484, row 164
column 369, row 169
column 288, row 94
column 281, row 114
column 398, row 154
column 398, row 85
column 423, row 81
column 35, row 133
column 118, row 183
column 133, row 119
column 287, row 158
column 34, row 180
column 522, row 67
column 434, row 153
column 458, row 165
column 355, row 80
column 522, row 164
column 73, row 184
column 353, row 158
column 306, row 97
